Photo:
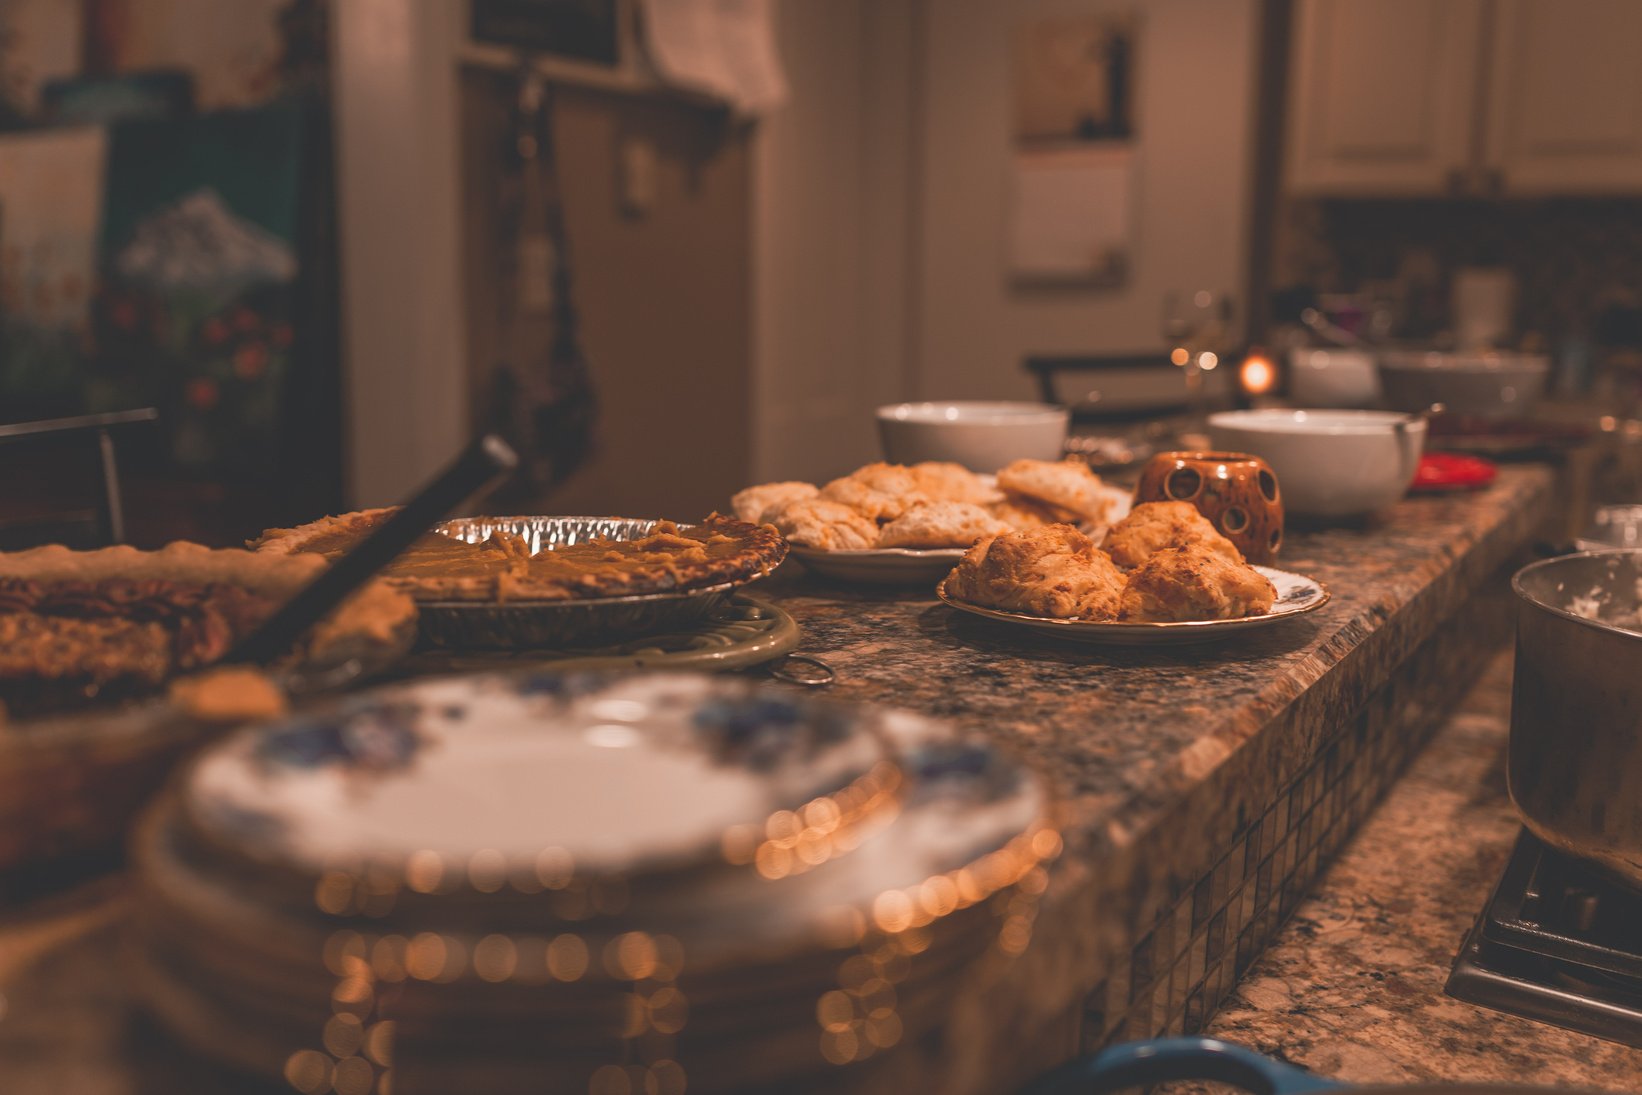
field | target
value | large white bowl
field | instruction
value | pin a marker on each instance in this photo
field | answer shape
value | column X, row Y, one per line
column 1490, row 385
column 982, row 437
column 1330, row 463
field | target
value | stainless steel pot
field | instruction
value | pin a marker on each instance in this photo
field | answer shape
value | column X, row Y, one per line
column 1576, row 707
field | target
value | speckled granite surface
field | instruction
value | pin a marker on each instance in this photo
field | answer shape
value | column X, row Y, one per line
column 1170, row 756
column 1206, row 784
column 1353, row 987
column 1125, row 730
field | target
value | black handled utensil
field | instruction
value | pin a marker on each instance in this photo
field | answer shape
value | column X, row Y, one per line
column 479, row 466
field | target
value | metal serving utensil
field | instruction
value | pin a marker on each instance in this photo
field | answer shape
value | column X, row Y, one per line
column 484, row 462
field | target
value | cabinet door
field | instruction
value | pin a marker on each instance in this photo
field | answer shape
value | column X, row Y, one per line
column 1565, row 102
column 1383, row 96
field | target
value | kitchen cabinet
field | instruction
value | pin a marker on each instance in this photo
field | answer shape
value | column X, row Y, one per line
column 1383, row 95
column 1564, row 101
column 1464, row 97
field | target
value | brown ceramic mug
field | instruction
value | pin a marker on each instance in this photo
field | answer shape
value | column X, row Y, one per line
column 1237, row 492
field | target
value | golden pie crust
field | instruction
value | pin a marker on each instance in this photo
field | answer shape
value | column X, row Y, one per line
column 501, row 569
column 78, row 625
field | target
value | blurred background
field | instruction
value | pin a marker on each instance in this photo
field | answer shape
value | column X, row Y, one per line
column 672, row 247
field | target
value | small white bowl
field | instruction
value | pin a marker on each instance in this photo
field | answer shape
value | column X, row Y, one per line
column 1334, row 378
column 1331, row 463
column 983, row 437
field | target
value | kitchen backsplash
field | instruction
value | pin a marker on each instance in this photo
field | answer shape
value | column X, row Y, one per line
column 1572, row 257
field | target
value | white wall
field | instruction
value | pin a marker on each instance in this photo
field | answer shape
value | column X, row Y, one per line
column 1193, row 97
column 398, row 209
column 830, row 239
column 881, row 202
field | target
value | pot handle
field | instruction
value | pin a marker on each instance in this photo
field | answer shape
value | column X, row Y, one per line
column 1135, row 1064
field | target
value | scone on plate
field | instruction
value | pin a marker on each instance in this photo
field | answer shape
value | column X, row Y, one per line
column 940, row 525
column 878, row 492
column 1020, row 512
column 829, row 526
column 941, row 481
column 1053, row 571
column 1194, row 582
column 761, row 503
column 1065, row 484
column 1153, row 526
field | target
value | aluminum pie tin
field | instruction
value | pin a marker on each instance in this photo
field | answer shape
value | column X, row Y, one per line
column 571, row 623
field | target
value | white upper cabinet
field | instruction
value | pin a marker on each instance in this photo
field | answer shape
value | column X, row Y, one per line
column 1565, row 97
column 1480, row 97
column 1383, row 96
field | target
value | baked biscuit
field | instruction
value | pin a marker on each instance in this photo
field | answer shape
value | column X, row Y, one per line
column 947, row 482
column 1053, row 571
column 1194, row 582
column 830, row 526
column 755, row 503
column 1065, row 484
column 1020, row 512
column 1153, row 526
column 879, row 492
column 940, row 525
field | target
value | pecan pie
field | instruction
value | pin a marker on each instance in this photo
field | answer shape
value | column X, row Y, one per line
column 79, row 625
column 503, row 568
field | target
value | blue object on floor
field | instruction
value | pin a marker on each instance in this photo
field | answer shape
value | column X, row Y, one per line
column 1136, row 1064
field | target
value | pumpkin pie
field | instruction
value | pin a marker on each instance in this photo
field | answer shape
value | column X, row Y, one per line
column 77, row 626
column 438, row 568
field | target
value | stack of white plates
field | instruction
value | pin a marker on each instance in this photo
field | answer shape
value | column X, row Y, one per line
column 502, row 883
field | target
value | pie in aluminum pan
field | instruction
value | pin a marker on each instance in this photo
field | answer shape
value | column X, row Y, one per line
column 77, row 626
column 80, row 630
column 507, row 567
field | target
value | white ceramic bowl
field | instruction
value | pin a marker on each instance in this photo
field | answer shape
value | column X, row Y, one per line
column 1334, row 378
column 1330, row 463
column 982, row 437
column 1490, row 385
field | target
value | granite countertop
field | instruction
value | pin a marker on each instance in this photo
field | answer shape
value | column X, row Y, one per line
column 1123, row 731
column 1168, row 758
column 1353, row 986
column 1167, row 755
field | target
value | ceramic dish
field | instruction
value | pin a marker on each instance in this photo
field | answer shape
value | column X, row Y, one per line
column 915, row 567
column 1330, row 463
column 883, row 566
column 745, row 631
column 1441, row 472
column 981, row 436
column 1296, row 595
column 467, row 625
column 753, row 849
column 1494, row 384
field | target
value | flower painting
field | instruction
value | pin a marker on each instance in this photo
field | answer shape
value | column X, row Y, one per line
column 199, row 269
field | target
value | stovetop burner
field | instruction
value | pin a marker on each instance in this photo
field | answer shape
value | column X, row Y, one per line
column 1557, row 943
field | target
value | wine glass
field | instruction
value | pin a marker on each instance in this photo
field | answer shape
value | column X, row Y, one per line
column 1196, row 327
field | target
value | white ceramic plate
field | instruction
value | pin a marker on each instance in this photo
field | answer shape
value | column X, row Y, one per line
column 1296, row 595
column 636, row 776
column 915, row 566
column 883, row 566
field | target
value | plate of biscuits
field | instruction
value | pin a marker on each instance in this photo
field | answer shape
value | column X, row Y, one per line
column 898, row 524
column 1161, row 574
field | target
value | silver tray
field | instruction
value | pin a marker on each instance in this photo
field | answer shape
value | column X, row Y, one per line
column 527, row 624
